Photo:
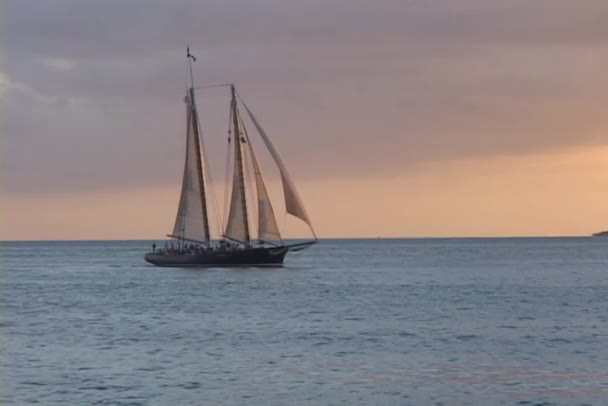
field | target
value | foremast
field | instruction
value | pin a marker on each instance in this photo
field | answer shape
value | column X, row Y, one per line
column 200, row 167
column 192, row 220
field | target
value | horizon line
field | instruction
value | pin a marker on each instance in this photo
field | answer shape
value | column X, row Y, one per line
column 321, row 238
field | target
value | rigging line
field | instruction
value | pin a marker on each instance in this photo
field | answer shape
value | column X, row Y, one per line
column 238, row 95
column 211, row 183
column 182, row 230
column 248, row 164
column 244, row 170
column 257, row 184
column 281, row 166
column 227, row 173
column 210, row 86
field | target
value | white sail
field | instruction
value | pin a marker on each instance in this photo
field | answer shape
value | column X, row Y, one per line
column 293, row 203
column 191, row 222
column 237, row 225
column 267, row 223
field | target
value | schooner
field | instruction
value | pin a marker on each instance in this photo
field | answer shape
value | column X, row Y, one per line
column 191, row 242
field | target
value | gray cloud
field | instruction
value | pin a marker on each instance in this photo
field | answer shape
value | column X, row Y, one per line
column 344, row 87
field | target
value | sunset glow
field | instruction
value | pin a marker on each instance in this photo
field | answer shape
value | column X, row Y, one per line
column 554, row 194
column 398, row 119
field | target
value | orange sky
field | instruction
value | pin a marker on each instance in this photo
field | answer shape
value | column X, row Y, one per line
column 395, row 118
column 555, row 194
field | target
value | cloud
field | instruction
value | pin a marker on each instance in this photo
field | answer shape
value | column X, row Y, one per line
column 345, row 88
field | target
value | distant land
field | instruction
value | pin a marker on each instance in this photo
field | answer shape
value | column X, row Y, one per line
column 601, row 234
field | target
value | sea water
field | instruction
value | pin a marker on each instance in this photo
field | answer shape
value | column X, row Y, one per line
column 347, row 322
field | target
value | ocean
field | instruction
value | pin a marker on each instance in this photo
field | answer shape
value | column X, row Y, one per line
column 347, row 322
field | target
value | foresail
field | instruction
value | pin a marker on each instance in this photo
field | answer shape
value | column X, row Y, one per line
column 293, row 203
column 191, row 221
column 267, row 223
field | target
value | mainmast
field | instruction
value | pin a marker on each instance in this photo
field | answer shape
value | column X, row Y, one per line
column 238, row 154
column 237, row 227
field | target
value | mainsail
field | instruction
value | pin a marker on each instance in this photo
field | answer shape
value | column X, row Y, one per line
column 293, row 202
column 191, row 222
column 237, row 226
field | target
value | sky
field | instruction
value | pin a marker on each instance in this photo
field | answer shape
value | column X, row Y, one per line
column 396, row 118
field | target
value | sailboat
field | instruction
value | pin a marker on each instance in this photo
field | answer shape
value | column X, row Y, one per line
column 191, row 243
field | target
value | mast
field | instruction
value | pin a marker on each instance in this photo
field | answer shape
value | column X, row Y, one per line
column 199, row 165
column 192, row 220
column 238, row 154
column 237, row 226
column 197, row 142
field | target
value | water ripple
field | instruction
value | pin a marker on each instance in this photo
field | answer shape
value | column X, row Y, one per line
column 406, row 322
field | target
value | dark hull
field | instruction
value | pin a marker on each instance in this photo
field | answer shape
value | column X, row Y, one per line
column 272, row 256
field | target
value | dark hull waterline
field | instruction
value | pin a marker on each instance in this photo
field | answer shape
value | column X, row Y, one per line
column 272, row 256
